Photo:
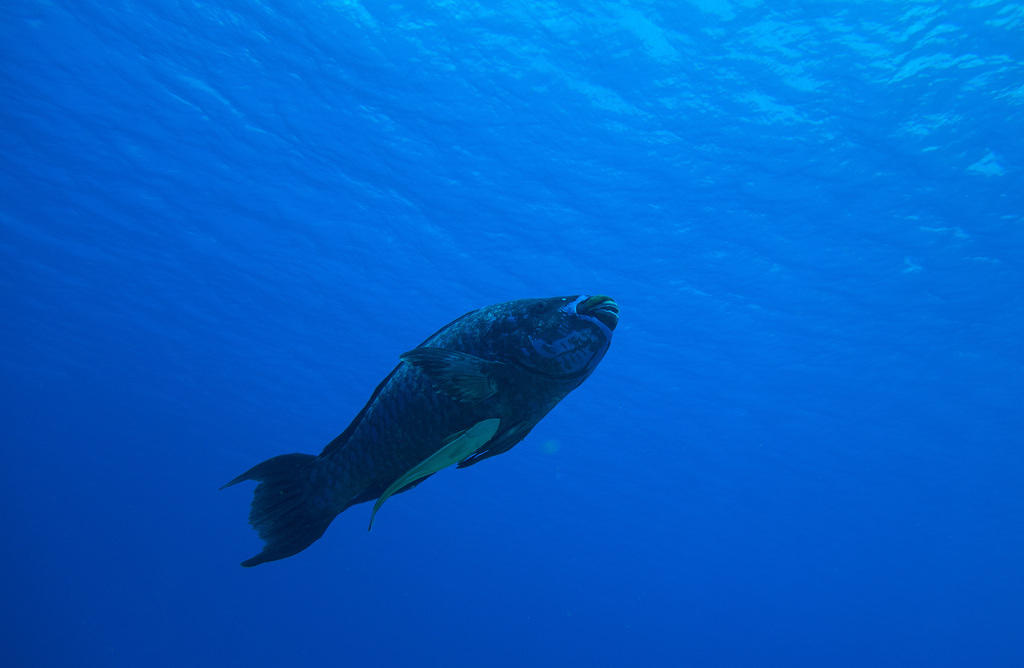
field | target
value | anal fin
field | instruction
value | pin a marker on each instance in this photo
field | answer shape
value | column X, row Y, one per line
column 456, row 448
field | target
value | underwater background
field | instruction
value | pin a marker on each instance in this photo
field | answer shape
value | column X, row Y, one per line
column 222, row 222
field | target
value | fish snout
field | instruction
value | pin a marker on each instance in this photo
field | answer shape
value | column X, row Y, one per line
column 601, row 307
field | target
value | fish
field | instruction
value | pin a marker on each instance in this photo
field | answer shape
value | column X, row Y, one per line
column 470, row 391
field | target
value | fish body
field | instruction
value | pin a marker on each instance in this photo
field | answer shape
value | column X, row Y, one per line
column 470, row 391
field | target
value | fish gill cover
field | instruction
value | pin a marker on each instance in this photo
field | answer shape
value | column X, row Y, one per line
column 222, row 222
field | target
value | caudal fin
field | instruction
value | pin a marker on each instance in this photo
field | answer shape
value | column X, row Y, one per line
column 282, row 512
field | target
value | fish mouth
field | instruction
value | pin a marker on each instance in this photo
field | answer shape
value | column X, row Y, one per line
column 601, row 307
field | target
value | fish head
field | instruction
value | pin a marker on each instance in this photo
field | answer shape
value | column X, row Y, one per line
column 564, row 336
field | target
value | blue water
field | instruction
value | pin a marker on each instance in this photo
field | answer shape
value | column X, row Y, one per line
column 222, row 222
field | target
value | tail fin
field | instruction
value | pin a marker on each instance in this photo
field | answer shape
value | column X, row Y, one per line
column 282, row 511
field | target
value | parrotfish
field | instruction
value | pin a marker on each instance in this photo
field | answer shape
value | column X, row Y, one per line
column 472, row 390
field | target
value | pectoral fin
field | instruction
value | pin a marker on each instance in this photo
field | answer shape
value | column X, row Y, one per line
column 457, row 447
column 463, row 376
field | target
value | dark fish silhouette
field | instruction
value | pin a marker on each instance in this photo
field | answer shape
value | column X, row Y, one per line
column 471, row 391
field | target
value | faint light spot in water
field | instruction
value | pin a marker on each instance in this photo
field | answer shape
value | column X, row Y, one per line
column 551, row 447
column 910, row 267
column 987, row 166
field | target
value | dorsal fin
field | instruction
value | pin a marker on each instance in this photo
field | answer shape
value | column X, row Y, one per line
column 340, row 439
